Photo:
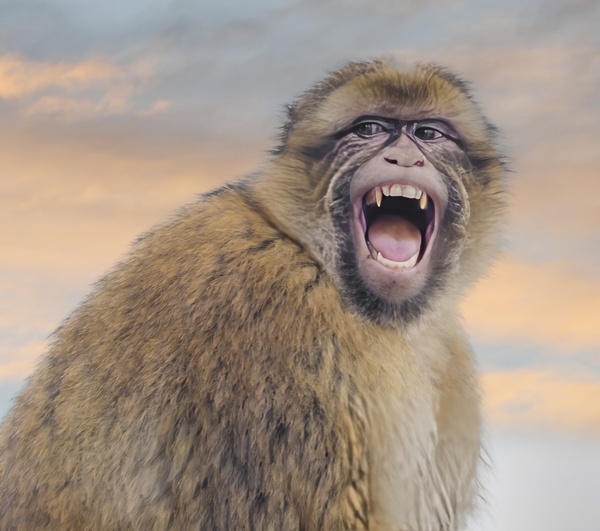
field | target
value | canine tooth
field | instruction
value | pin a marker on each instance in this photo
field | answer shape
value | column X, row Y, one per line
column 378, row 195
column 385, row 189
column 419, row 194
column 409, row 191
column 423, row 201
column 396, row 190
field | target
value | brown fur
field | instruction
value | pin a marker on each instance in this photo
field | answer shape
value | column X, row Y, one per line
column 221, row 377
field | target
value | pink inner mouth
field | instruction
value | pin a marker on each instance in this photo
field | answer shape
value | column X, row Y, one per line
column 396, row 238
column 397, row 229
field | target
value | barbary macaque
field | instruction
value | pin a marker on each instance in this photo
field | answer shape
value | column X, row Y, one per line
column 285, row 353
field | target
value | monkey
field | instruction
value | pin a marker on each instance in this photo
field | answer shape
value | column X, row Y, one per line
column 287, row 352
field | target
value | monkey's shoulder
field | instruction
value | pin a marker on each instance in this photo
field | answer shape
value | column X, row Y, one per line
column 216, row 271
column 223, row 237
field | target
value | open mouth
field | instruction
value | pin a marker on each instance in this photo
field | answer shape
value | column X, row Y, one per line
column 398, row 222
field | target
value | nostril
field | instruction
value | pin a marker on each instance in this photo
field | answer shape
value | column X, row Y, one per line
column 419, row 163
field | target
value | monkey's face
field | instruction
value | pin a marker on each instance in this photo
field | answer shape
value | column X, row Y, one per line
column 392, row 181
column 402, row 230
column 398, row 201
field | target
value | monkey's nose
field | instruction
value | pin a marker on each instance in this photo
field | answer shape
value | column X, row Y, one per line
column 404, row 152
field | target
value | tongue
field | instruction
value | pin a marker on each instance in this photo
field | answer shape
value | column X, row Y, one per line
column 394, row 237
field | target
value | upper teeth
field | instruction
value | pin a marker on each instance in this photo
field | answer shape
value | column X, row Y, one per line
column 396, row 190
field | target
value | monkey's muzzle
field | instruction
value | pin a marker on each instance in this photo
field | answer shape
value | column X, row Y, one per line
column 398, row 223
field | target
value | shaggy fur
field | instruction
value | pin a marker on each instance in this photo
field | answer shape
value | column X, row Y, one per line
column 235, row 372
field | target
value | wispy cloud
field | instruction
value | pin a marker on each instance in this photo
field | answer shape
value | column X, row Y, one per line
column 20, row 77
column 93, row 86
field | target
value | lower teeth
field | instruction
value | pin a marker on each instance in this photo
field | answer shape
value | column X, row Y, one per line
column 400, row 266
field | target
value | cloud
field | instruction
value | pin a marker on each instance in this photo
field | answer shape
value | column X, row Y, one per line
column 93, row 86
column 20, row 77
column 551, row 303
column 543, row 400
column 114, row 100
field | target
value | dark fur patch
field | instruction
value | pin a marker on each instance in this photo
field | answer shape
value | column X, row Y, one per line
column 262, row 246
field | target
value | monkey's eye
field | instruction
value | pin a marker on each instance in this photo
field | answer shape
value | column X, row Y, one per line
column 433, row 131
column 370, row 129
column 428, row 133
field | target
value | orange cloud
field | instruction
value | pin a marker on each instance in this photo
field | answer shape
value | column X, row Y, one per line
column 534, row 400
column 20, row 77
column 553, row 303
column 116, row 99
column 93, row 86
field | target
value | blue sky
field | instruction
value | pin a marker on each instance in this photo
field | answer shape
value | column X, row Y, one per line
column 113, row 114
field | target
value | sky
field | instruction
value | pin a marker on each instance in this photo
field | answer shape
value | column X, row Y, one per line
column 113, row 114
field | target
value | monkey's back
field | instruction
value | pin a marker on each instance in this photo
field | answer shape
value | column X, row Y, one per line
column 192, row 390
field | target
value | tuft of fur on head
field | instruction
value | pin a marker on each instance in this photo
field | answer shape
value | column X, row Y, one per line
column 304, row 189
